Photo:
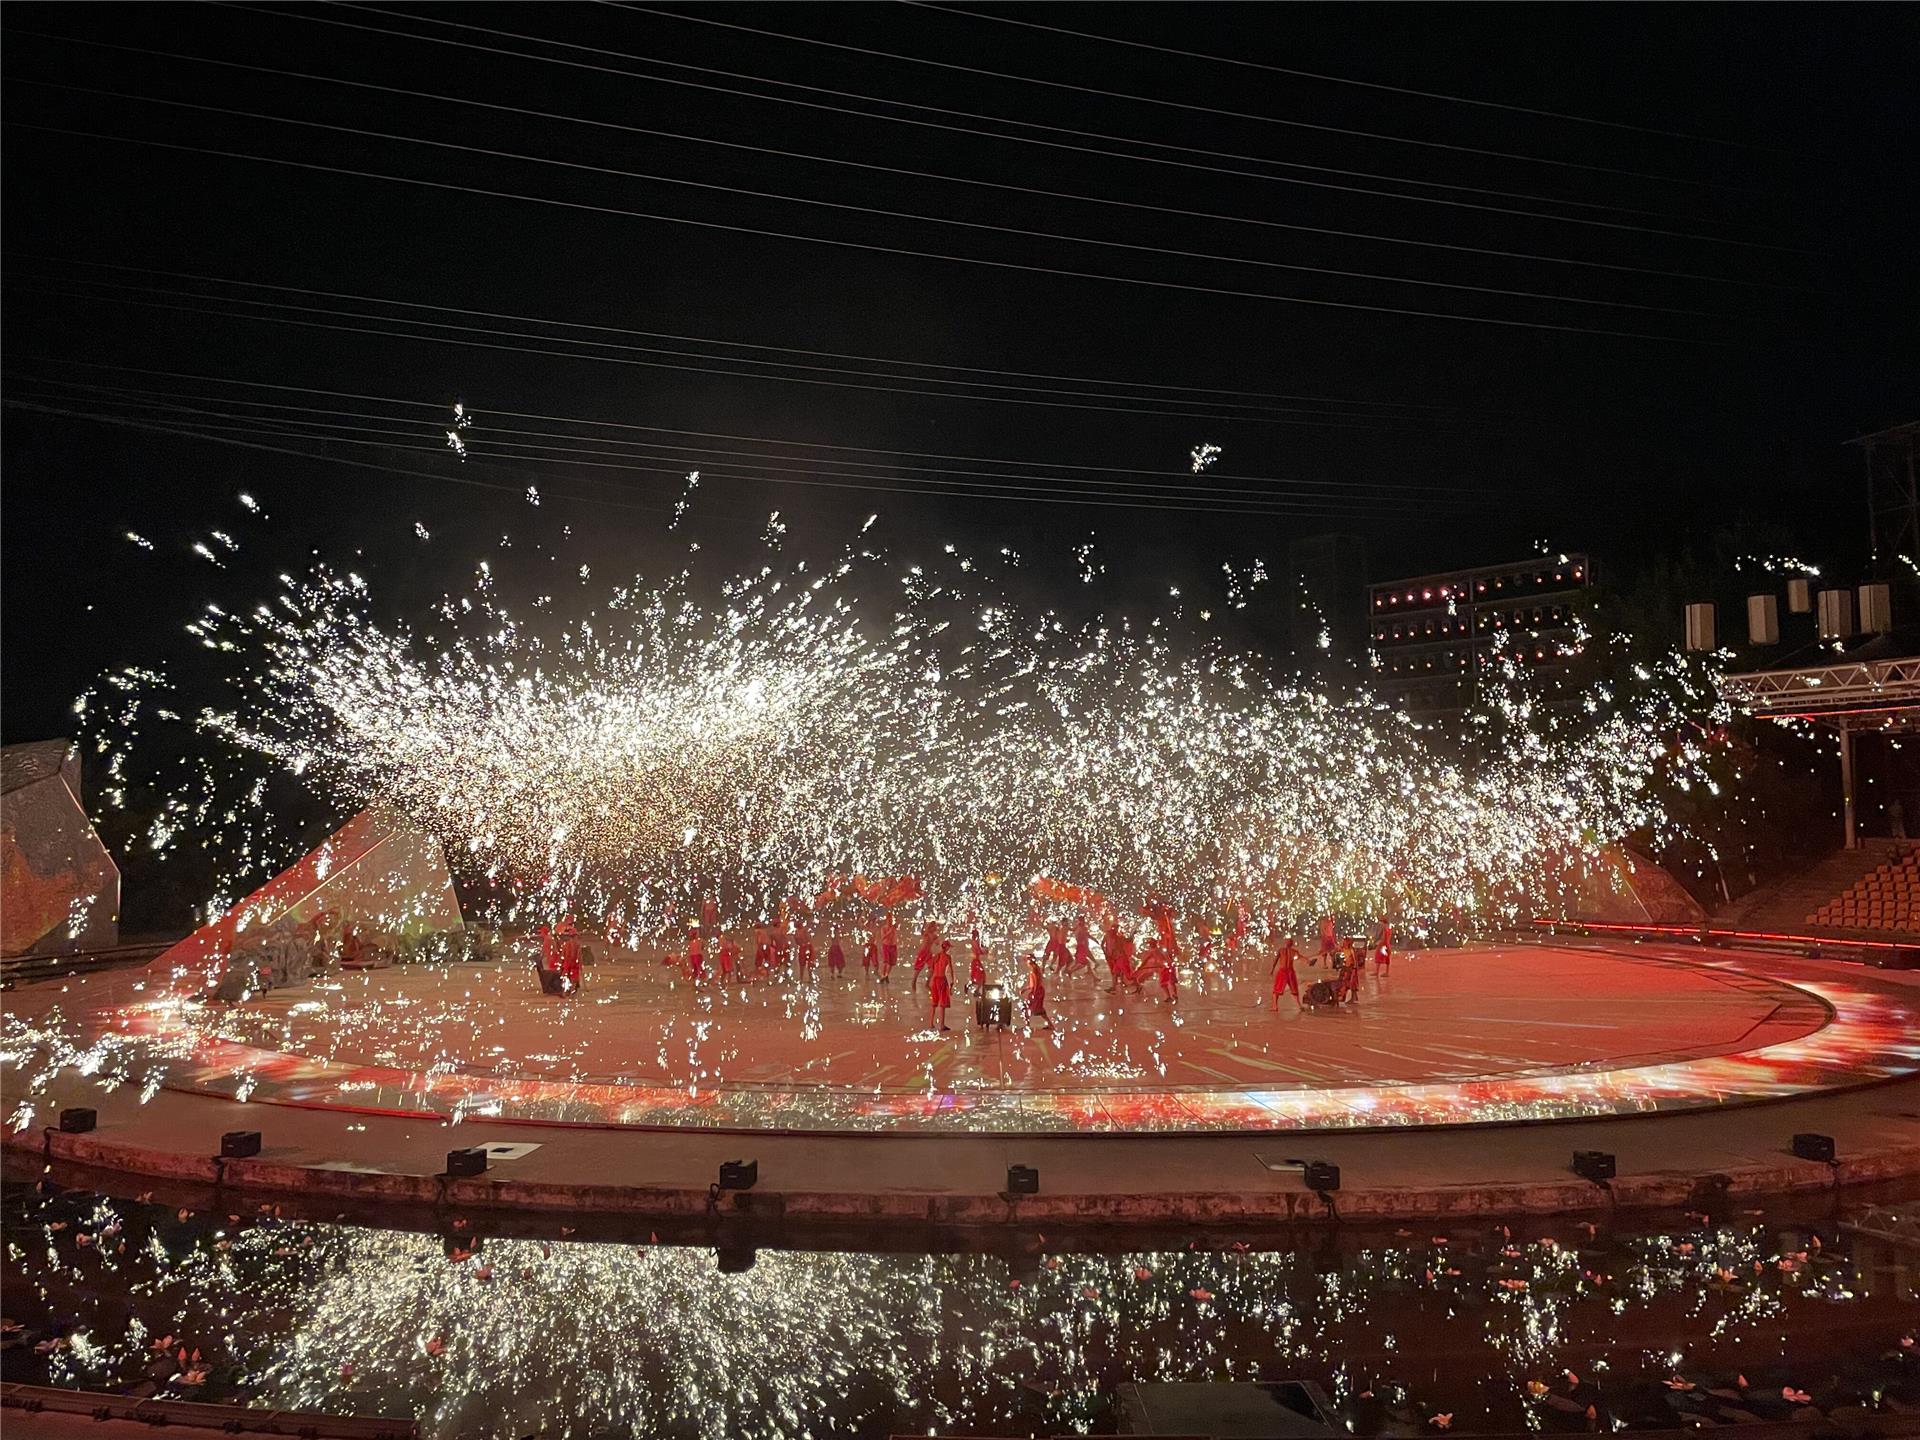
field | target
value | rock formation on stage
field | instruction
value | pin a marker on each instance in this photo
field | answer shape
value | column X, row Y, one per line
column 59, row 888
column 373, row 891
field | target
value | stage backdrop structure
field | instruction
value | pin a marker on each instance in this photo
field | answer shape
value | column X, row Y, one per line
column 374, row 887
column 59, row 888
column 1627, row 889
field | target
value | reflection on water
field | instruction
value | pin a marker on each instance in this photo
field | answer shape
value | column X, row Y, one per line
column 1544, row 1324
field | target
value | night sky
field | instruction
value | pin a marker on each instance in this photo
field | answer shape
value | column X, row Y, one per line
column 1711, row 209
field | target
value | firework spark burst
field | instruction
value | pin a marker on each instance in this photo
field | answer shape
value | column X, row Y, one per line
column 797, row 728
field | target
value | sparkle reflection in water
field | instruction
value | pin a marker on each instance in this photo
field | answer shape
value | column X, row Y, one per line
column 1544, row 1324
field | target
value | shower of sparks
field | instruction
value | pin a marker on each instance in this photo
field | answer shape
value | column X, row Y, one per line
column 140, row 540
column 1242, row 583
column 421, row 531
column 461, row 419
column 797, row 728
column 1778, row 565
column 685, row 502
column 250, row 503
column 533, row 495
column 1203, row 455
column 456, row 444
column 1089, row 567
column 500, row 1336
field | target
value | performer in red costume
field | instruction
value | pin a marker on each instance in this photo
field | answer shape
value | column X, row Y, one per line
column 1236, row 934
column 923, row 960
column 940, row 986
column 569, row 966
column 977, row 965
column 1383, row 949
column 889, row 948
column 870, row 957
column 1169, row 974
column 1082, row 945
column 803, row 942
column 762, row 951
column 1036, row 992
column 1163, row 922
column 1285, row 977
column 696, row 956
column 1119, row 951
column 836, row 958
column 729, row 953
column 1329, row 941
column 1352, row 967
column 1056, row 951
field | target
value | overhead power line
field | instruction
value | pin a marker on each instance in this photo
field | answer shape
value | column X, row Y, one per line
column 1184, row 212
column 1372, row 491
column 1019, row 139
column 1185, row 287
column 1354, row 422
column 887, row 360
column 859, row 484
column 1189, row 106
column 1005, row 19
column 1133, row 247
column 279, row 387
column 438, row 479
column 530, row 453
column 963, row 114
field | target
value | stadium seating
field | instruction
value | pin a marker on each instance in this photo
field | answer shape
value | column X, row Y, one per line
column 1884, row 899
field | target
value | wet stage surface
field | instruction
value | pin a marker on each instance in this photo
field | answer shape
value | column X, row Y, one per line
column 1448, row 1015
column 1469, row 1035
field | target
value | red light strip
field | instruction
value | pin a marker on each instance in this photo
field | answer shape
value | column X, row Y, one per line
column 1702, row 932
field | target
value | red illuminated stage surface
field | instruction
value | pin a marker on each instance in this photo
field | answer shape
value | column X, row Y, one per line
column 1477, row 1035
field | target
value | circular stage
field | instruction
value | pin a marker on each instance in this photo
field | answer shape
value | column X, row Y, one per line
column 1475, row 1035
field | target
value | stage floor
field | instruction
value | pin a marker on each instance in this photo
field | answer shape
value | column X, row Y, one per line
column 1472, row 1035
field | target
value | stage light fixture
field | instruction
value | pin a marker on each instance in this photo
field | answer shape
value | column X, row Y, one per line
column 78, row 1119
column 1023, row 1180
column 239, row 1144
column 472, row 1160
column 1320, row 1177
column 1809, row 1146
column 739, row 1174
column 1594, row 1165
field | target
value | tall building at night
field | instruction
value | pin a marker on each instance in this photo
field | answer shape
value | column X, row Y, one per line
column 1433, row 633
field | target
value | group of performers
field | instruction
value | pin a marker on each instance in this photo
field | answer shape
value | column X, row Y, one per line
column 1345, row 962
column 787, row 945
column 559, row 970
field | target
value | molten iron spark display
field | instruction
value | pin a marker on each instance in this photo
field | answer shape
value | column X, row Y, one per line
column 766, row 737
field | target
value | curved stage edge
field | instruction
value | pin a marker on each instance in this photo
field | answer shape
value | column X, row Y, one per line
column 1843, row 1027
